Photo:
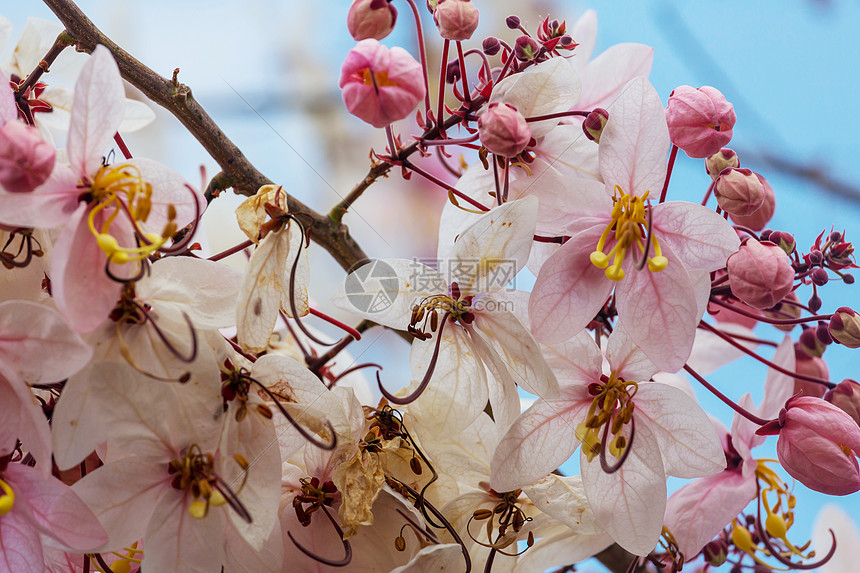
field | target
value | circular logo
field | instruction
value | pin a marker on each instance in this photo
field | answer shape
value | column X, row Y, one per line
column 372, row 287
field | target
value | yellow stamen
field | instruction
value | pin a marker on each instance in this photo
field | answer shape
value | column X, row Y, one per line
column 7, row 500
column 198, row 509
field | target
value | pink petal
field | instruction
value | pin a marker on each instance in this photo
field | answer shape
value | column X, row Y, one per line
column 175, row 541
column 82, row 290
column 577, row 362
column 47, row 206
column 635, row 142
column 56, row 510
column 24, row 420
column 20, row 546
column 569, row 290
column 626, row 359
column 697, row 512
column 585, row 32
column 168, row 188
column 659, row 312
column 778, row 387
column 698, row 236
column 608, row 73
column 97, row 111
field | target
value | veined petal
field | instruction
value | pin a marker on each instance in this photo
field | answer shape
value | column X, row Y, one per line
column 561, row 549
column 444, row 557
column 501, row 387
column 659, row 312
column 569, row 290
column 688, row 443
column 494, row 248
column 168, row 188
column 697, row 512
column 539, row 441
column 699, row 237
column 97, row 111
column 504, row 332
column 48, row 206
column 385, row 291
column 629, row 362
column 175, row 541
column 563, row 498
column 23, row 419
column 629, row 504
column 605, row 75
column 577, row 361
column 635, row 141
column 546, row 88
column 20, row 546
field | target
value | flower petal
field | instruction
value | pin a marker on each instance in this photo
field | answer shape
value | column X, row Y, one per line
column 20, row 546
column 607, row 74
column 699, row 237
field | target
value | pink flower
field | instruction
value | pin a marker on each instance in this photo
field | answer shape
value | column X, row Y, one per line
column 456, row 19
column 846, row 397
column 760, row 274
column 700, row 120
column 33, row 504
column 379, row 85
column 761, row 216
column 371, row 19
column 739, row 191
column 26, row 160
column 504, row 130
column 818, row 444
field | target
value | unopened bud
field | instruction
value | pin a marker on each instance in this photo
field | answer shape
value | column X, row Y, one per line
column 512, row 22
column 722, row 159
column 716, row 552
column 526, row 48
column 816, row 257
column 760, row 274
column 783, row 240
column 818, row 277
column 846, row 397
column 785, row 311
column 26, row 160
column 844, row 327
column 761, row 216
column 594, row 124
column 809, row 344
column 700, row 120
column 738, row 191
column 452, row 72
column 371, row 19
column 504, row 130
column 814, row 303
column 491, row 46
column 456, row 19
column 400, row 543
column 814, row 366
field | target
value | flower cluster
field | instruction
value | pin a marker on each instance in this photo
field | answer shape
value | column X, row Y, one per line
column 164, row 411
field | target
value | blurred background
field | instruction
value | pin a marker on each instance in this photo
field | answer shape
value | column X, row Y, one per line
column 267, row 71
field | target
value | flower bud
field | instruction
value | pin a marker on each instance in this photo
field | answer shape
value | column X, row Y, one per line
column 700, row 120
column 818, row 277
column 504, row 130
column 456, row 19
column 512, row 22
column 785, row 310
column 783, row 240
column 491, row 46
column 379, row 85
column 846, row 397
column 810, row 366
column 818, row 444
column 739, row 191
column 809, row 344
column 716, row 552
column 760, row 274
column 371, row 19
column 526, row 48
column 844, row 327
column 722, row 159
column 26, row 160
column 594, row 123
column 452, row 71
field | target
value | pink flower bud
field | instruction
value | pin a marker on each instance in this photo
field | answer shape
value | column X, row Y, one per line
column 738, row 191
column 810, row 366
column 844, row 327
column 371, row 19
column 594, row 123
column 818, row 444
column 784, row 310
column 760, row 217
column 700, row 120
column 722, row 159
column 379, row 85
column 846, row 397
column 26, row 160
column 760, row 274
column 504, row 130
column 456, row 19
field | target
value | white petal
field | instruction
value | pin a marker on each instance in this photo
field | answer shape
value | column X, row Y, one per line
column 563, row 498
column 584, row 33
column 609, row 72
column 434, row 558
column 385, row 291
column 711, row 352
column 778, row 387
column 490, row 253
column 635, row 141
column 848, row 540
column 175, row 541
column 577, row 361
column 96, row 111
column 688, row 443
column 551, row 86
column 8, row 110
column 137, row 116
column 629, row 504
column 169, row 188
column 501, row 388
column 629, row 362
column 36, row 40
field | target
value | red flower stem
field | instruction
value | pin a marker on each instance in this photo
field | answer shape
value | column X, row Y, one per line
column 776, row 321
column 443, row 70
column 708, row 193
column 348, row 329
column 559, row 114
column 485, row 63
column 423, row 54
column 746, row 414
column 443, row 142
column 392, row 147
column 444, row 185
column 122, row 146
column 231, row 251
column 765, row 361
column 466, row 98
column 672, row 157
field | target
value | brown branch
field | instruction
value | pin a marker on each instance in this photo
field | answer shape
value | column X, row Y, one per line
column 178, row 100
